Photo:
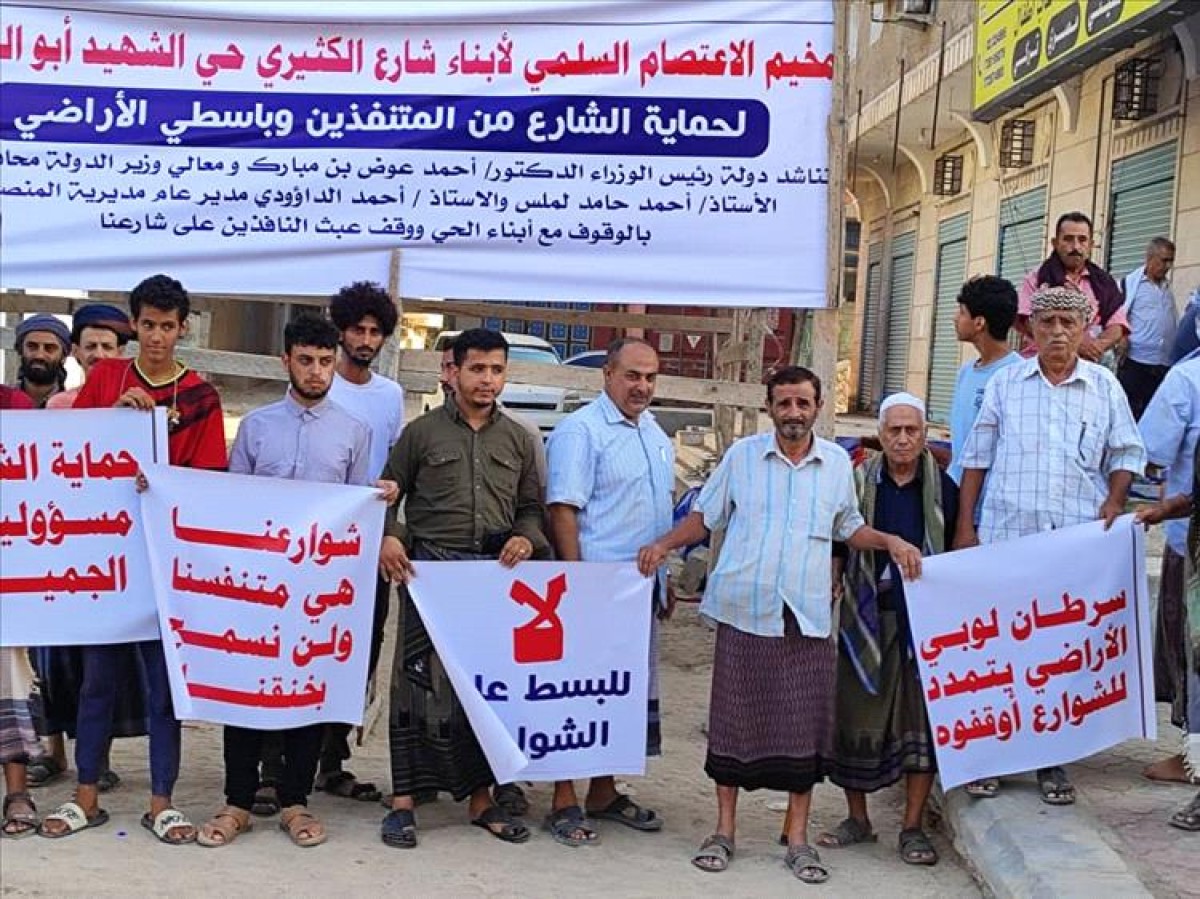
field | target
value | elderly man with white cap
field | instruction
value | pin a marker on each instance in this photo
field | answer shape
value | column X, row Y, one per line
column 882, row 729
column 1058, row 444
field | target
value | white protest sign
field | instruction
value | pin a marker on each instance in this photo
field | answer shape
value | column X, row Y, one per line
column 549, row 659
column 614, row 151
column 1034, row 652
column 266, row 606
column 75, row 569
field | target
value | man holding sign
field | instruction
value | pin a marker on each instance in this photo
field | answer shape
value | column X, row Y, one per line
column 1058, row 445
column 612, row 470
column 468, row 475
column 306, row 437
column 782, row 498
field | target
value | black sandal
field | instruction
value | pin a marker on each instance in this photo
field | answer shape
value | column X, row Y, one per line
column 346, row 785
column 510, row 829
column 916, row 848
column 399, row 829
column 1055, row 786
column 569, row 827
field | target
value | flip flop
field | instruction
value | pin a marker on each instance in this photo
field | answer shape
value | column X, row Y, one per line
column 625, row 811
column 717, row 851
column 73, row 815
column 511, row 830
column 848, row 833
column 804, row 862
column 164, row 822
column 568, row 824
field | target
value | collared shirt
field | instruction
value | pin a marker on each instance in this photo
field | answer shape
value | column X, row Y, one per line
column 1171, row 428
column 1150, row 308
column 618, row 474
column 319, row 443
column 463, row 486
column 968, row 399
column 900, row 510
column 1029, row 287
column 1050, row 448
column 379, row 404
column 780, row 518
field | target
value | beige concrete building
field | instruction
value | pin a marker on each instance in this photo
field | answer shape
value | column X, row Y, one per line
column 943, row 187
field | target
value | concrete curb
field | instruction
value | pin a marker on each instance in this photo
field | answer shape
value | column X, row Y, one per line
column 1021, row 847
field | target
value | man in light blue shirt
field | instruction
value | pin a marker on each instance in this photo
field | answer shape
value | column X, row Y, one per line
column 1170, row 428
column 611, row 478
column 306, row 437
column 782, row 498
column 1153, row 319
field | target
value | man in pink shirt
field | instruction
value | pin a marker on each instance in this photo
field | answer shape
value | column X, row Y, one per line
column 1068, row 266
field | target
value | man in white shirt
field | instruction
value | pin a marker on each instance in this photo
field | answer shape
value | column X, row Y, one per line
column 1153, row 319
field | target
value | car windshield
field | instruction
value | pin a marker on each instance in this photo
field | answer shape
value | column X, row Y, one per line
column 532, row 354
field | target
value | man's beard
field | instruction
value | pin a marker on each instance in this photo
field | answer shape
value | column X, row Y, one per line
column 357, row 360
column 41, row 373
column 307, row 394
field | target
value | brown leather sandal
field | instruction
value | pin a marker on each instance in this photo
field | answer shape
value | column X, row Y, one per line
column 224, row 827
column 304, row 828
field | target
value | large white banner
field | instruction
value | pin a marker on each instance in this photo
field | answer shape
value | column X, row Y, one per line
column 73, row 563
column 266, row 588
column 1034, row 652
column 661, row 152
column 549, row 659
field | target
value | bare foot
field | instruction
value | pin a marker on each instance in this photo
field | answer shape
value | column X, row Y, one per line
column 1170, row 770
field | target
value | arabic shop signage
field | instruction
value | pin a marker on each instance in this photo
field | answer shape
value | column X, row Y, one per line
column 1025, row 47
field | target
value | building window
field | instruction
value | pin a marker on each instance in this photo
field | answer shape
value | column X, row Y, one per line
column 1135, row 89
column 1016, row 143
column 947, row 175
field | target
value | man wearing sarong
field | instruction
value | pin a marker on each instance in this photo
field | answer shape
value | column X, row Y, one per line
column 882, row 728
column 467, row 475
column 1058, row 445
column 159, row 308
column 782, row 498
column 305, row 436
column 612, row 474
column 18, row 741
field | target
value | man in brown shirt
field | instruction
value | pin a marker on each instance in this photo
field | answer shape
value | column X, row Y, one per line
column 471, row 491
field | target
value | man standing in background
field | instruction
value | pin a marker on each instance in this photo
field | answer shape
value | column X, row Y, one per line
column 1150, row 308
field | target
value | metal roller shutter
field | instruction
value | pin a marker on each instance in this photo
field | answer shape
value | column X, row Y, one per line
column 899, row 313
column 943, row 356
column 1022, row 241
column 867, row 369
column 1143, row 191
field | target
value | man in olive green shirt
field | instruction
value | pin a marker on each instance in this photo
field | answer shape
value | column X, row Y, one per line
column 471, row 491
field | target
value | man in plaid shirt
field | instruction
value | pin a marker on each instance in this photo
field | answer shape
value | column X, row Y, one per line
column 1058, row 445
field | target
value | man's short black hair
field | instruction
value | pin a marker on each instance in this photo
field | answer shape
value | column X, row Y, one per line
column 1077, row 217
column 480, row 339
column 793, row 374
column 310, row 330
column 163, row 293
column 356, row 301
column 993, row 298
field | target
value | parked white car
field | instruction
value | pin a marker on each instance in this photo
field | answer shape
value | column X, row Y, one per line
column 545, row 406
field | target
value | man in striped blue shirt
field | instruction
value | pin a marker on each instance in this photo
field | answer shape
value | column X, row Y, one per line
column 611, row 473
column 782, row 497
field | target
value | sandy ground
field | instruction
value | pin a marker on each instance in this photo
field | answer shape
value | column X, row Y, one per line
column 457, row 860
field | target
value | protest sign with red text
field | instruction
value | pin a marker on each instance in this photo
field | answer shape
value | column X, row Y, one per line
column 75, row 569
column 265, row 594
column 549, row 659
column 1034, row 652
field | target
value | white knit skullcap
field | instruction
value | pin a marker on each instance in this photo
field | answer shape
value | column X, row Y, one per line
column 901, row 399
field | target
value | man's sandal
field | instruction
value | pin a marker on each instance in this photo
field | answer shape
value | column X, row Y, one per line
column 1188, row 817
column 804, row 862
column 625, row 811
column 302, row 826
column 21, row 821
column 502, row 825
column 714, row 854
column 399, row 829
column 43, row 771
column 224, row 827
column 984, row 788
column 1055, row 786
column 166, row 821
column 76, row 819
column 266, row 801
column 569, row 827
column 346, row 785
column 916, row 848
column 511, row 798
column 848, row 833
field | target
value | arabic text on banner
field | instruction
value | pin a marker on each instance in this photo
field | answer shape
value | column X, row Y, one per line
column 266, row 605
column 1034, row 652
column 549, row 659
column 681, row 144
column 74, row 567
